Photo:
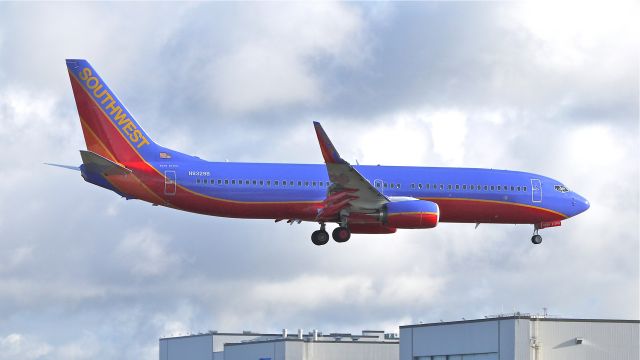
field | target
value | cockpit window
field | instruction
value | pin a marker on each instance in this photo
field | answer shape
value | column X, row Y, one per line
column 561, row 188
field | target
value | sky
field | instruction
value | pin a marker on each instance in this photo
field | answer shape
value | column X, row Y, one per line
column 549, row 88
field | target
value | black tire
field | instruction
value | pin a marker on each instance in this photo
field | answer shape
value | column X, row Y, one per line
column 536, row 239
column 320, row 237
column 341, row 234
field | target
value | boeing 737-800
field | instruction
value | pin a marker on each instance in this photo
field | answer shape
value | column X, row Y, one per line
column 360, row 199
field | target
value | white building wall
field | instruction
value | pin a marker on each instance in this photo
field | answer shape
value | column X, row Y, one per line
column 512, row 338
column 601, row 340
column 521, row 336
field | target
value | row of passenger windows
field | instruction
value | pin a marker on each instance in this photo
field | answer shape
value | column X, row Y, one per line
column 378, row 184
column 263, row 182
column 470, row 187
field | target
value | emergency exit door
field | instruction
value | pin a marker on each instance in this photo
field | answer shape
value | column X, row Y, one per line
column 536, row 190
column 169, row 182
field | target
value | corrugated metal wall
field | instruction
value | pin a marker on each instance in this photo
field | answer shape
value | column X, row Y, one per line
column 601, row 340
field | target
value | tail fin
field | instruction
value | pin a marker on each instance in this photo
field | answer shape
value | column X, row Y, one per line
column 109, row 129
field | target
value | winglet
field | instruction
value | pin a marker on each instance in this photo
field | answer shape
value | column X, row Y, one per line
column 329, row 152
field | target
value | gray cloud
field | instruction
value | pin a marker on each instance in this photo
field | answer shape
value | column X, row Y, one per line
column 84, row 274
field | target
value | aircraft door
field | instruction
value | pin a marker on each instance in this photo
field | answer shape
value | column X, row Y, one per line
column 536, row 190
column 378, row 184
column 169, row 182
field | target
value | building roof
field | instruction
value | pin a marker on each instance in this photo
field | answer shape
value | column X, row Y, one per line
column 522, row 317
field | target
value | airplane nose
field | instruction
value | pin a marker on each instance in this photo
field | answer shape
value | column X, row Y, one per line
column 580, row 204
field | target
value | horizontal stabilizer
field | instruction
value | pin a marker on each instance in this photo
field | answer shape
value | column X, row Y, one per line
column 97, row 163
column 70, row 167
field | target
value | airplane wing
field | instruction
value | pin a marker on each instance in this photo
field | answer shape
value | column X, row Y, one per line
column 349, row 189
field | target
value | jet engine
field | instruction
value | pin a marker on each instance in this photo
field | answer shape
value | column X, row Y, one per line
column 411, row 214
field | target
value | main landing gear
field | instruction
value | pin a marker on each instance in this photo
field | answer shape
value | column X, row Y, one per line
column 321, row 237
column 536, row 239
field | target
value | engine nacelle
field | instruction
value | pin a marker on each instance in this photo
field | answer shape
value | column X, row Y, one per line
column 411, row 214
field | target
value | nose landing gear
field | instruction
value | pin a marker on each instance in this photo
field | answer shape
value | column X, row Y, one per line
column 536, row 239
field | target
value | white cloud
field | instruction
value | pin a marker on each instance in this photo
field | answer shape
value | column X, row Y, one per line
column 19, row 347
column 274, row 66
column 15, row 257
column 147, row 253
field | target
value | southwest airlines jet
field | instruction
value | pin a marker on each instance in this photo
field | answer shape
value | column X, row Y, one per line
column 360, row 199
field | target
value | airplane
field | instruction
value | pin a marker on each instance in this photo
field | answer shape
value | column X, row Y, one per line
column 360, row 199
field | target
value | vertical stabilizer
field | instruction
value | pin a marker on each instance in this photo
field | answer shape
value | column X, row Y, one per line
column 108, row 127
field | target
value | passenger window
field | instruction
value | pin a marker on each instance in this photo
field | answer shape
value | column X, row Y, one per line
column 518, row 188
column 254, row 182
column 313, row 183
column 291, row 183
column 299, row 183
column 275, row 183
column 449, row 187
column 198, row 181
column 464, row 187
column 219, row 181
column 512, row 188
column 493, row 187
column 398, row 186
column 441, row 187
column 385, row 185
column 498, row 188
column 327, row 183
column 419, row 186
column 457, row 187
column 524, row 188
column 413, row 186
column 268, row 182
column 306, row 183
column 471, row 187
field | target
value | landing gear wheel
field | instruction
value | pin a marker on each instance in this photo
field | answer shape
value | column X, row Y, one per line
column 341, row 234
column 320, row 237
column 536, row 239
